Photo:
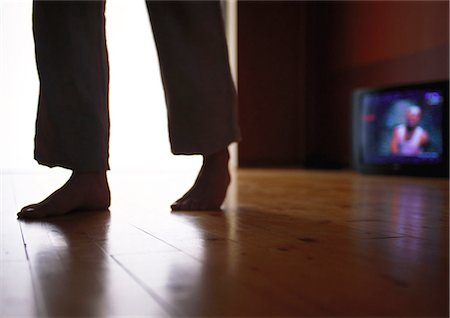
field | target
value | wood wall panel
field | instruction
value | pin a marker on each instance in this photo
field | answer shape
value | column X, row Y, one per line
column 366, row 44
column 300, row 61
column 270, row 53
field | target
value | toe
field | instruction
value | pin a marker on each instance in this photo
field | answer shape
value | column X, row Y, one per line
column 30, row 213
column 28, row 207
column 25, row 211
column 177, row 206
column 183, row 205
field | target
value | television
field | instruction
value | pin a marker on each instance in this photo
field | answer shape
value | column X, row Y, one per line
column 402, row 130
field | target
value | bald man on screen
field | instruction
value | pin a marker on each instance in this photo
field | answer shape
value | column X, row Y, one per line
column 408, row 139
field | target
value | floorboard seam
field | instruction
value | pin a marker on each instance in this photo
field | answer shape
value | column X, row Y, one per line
column 40, row 303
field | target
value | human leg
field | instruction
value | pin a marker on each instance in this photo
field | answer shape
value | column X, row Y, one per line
column 72, row 127
column 200, row 94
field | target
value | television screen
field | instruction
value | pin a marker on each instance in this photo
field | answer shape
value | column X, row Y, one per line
column 401, row 129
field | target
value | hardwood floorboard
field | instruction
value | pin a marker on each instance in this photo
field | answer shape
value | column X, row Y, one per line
column 17, row 296
column 11, row 244
column 74, row 274
column 288, row 243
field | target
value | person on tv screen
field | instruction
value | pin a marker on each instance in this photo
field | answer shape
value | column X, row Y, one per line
column 409, row 139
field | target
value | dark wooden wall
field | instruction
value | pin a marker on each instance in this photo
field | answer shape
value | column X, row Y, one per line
column 271, row 61
column 300, row 61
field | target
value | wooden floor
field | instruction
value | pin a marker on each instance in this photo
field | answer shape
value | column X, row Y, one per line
column 289, row 243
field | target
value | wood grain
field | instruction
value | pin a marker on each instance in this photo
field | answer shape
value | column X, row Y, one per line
column 288, row 243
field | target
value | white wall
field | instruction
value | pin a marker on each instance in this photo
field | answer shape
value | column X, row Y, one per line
column 139, row 138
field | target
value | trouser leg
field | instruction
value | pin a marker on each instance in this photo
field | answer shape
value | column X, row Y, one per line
column 199, row 90
column 72, row 127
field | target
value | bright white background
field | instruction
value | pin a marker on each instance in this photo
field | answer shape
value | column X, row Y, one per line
column 139, row 137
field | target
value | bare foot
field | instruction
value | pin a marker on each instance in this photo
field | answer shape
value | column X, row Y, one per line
column 210, row 188
column 83, row 191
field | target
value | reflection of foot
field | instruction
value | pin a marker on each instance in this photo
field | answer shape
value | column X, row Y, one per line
column 210, row 188
column 83, row 191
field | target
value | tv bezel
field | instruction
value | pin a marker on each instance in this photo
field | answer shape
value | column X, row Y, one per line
column 432, row 170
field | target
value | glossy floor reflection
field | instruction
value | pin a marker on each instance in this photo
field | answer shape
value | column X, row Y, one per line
column 288, row 243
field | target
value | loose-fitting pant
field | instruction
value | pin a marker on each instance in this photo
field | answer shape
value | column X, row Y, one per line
column 72, row 126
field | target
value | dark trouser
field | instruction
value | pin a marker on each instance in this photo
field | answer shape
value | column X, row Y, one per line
column 72, row 127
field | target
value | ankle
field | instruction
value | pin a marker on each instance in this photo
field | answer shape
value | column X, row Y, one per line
column 220, row 157
column 91, row 175
column 93, row 186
